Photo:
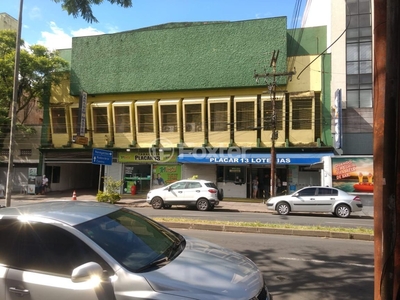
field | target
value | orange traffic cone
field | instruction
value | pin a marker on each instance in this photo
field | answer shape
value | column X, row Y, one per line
column 74, row 195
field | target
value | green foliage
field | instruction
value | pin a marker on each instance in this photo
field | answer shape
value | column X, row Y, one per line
column 83, row 7
column 39, row 69
column 111, row 191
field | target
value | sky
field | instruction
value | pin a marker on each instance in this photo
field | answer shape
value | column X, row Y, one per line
column 44, row 22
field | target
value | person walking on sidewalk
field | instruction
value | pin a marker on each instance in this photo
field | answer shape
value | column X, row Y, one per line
column 45, row 184
column 255, row 187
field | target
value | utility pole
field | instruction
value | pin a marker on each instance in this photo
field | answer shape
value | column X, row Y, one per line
column 386, row 149
column 274, row 132
column 14, row 110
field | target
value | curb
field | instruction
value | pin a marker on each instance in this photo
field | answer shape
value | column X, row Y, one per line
column 265, row 230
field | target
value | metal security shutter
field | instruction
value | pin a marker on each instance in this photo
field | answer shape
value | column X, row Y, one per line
column 203, row 171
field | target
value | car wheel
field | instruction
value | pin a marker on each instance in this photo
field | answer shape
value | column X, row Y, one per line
column 283, row 208
column 202, row 204
column 220, row 194
column 342, row 211
column 157, row 203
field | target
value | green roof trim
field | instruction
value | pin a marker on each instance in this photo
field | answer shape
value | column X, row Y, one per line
column 178, row 56
column 66, row 55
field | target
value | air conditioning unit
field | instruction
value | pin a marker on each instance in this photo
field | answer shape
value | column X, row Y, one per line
column 190, row 127
column 169, row 128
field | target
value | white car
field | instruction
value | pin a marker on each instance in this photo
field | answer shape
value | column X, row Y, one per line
column 317, row 199
column 203, row 194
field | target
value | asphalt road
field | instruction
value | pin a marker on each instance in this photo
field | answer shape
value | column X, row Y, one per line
column 298, row 268
column 325, row 220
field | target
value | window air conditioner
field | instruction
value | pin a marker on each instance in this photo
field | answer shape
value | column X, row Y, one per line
column 190, row 127
column 169, row 128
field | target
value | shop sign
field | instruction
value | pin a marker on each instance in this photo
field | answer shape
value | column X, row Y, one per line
column 353, row 174
column 80, row 140
column 166, row 174
column 146, row 157
column 252, row 158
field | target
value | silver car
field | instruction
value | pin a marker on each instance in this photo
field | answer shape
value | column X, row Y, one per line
column 86, row 250
column 317, row 199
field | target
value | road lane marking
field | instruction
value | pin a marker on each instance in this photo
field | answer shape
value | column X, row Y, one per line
column 326, row 262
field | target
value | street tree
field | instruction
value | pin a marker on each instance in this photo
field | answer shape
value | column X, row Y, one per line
column 84, row 7
column 39, row 69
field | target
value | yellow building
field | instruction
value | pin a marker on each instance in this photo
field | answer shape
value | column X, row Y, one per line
column 191, row 106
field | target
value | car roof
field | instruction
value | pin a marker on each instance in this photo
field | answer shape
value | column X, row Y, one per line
column 197, row 180
column 69, row 212
column 320, row 186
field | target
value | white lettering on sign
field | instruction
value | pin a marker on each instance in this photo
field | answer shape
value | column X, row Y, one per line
column 259, row 160
column 82, row 116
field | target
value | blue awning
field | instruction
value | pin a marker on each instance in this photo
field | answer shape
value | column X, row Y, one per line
column 252, row 158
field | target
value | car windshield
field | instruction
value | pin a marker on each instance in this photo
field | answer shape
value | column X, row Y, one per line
column 133, row 240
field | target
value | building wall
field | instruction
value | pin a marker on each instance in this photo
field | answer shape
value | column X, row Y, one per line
column 8, row 22
column 207, row 134
column 26, row 155
column 26, row 146
column 357, row 123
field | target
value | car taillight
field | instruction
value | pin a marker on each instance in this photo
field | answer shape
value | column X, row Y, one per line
column 212, row 191
column 356, row 198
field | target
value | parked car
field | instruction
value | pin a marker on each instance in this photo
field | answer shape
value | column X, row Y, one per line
column 87, row 250
column 317, row 199
column 202, row 194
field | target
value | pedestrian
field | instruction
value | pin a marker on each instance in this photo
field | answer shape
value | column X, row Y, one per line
column 45, row 184
column 255, row 187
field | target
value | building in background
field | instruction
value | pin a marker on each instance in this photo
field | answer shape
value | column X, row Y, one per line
column 7, row 22
column 26, row 158
column 349, row 25
column 178, row 100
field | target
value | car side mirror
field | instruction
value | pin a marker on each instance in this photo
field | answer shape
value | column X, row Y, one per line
column 296, row 195
column 86, row 272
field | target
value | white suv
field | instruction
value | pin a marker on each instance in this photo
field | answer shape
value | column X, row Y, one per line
column 203, row 194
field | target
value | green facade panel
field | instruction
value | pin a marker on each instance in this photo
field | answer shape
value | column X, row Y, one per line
column 182, row 56
column 306, row 41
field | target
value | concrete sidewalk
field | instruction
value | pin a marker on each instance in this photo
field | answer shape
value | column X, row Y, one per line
column 137, row 201
column 140, row 201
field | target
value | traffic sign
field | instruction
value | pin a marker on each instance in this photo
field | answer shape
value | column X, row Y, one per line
column 102, row 157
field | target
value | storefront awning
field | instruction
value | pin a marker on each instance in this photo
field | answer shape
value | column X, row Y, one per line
column 252, row 158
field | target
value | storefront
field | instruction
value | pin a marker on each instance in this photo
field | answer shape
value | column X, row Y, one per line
column 146, row 170
column 235, row 172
